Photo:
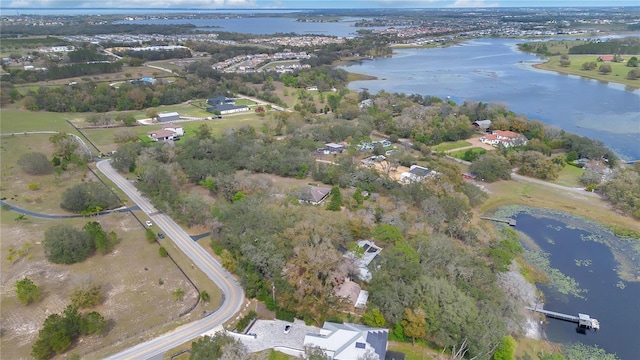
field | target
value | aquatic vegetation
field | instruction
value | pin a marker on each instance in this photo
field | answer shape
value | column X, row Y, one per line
column 620, row 285
column 586, row 262
column 557, row 280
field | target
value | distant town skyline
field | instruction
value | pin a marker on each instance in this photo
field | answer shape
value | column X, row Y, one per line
column 307, row 4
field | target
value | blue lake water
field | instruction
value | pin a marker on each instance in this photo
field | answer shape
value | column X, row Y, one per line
column 615, row 303
column 495, row 71
column 266, row 25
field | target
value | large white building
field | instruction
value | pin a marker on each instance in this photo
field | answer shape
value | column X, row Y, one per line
column 349, row 341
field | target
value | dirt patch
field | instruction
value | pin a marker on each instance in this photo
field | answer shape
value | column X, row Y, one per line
column 130, row 278
column 475, row 143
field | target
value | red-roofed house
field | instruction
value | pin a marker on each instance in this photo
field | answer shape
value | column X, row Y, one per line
column 506, row 138
column 605, row 58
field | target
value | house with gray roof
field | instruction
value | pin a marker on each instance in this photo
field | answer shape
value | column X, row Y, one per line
column 349, row 341
column 313, row 194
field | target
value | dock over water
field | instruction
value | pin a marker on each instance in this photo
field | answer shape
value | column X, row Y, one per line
column 583, row 320
column 511, row 222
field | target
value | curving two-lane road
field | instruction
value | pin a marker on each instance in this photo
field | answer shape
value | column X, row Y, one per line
column 232, row 293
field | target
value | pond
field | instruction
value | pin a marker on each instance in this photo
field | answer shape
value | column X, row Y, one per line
column 584, row 278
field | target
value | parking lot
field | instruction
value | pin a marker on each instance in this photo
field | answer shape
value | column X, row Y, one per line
column 270, row 334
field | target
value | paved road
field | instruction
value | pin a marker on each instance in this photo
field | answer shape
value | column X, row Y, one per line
column 53, row 216
column 580, row 191
column 233, row 294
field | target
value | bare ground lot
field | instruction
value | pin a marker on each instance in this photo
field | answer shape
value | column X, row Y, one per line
column 130, row 275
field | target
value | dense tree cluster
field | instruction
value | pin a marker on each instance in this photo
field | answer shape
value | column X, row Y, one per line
column 60, row 331
column 64, row 244
column 150, row 55
column 629, row 45
column 90, row 196
column 55, row 72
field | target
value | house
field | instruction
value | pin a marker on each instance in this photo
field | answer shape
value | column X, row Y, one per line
column 369, row 252
column 351, row 291
column 606, row 57
column 506, row 138
column 416, row 173
column 171, row 116
column 178, row 130
column 224, row 109
column 482, row 125
column 313, row 195
column 334, row 148
column 365, row 103
column 162, row 135
column 349, row 341
column 224, row 105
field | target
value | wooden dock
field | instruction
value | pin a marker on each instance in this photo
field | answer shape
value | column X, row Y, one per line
column 583, row 320
column 511, row 222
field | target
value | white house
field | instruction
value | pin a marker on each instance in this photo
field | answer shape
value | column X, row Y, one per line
column 369, row 252
column 506, row 138
column 349, row 341
column 162, row 135
column 177, row 130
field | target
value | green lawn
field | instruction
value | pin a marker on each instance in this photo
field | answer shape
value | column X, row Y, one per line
column 451, row 145
column 13, row 119
column 460, row 154
column 569, row 176
column 413, row 352
column 247, row 102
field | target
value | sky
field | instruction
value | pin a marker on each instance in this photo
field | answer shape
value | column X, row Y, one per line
column 306, row 4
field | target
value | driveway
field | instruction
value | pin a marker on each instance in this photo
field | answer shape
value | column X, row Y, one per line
column 270, row 334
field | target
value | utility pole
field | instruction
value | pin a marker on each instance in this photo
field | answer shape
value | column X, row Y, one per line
column 273, row 291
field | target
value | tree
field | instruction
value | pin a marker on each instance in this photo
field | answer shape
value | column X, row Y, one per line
column 604, row 68
column 65, row 145
column 506, row 350
column 315, row 353
column 491, row 167
column 374, row 318
column 88, row 197
column 87, row 296
column 214, row 347
column 203, row 132
column 414, row 324
column 100, row 238
column 64, row 244
column 388, row 234
column 336, row 199
column 178, row 294
column 151, row 113
column 27, row 291
column 633, row 74
column 163, row 252
column 633, row 62
column 589, row 65
column 93, row 323
column 35, row 163
column 204, row 296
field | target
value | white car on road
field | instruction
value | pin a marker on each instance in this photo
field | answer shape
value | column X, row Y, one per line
column 149, row 224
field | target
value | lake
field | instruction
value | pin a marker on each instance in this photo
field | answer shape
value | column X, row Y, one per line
column 576, row 248
column 265, row 25
column 495, row 71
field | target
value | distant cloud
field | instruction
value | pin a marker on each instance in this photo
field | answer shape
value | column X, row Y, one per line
column 473, row 3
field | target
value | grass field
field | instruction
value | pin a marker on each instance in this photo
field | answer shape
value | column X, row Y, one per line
column 413, row 352
column 460, row 154
column 14, row 119
column 451, row 145
column 618, row 72
column 569, row 176
column 103, row 138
